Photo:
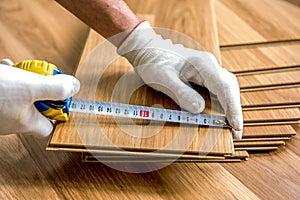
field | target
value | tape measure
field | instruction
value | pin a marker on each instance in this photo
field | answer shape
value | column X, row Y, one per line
column 144, row 112
column 59, row 110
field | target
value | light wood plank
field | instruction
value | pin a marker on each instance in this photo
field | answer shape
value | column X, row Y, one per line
column 268, row 131
column 285, row 114
column 262, row 167
column 18, row 170
column 286, row 96
column 71, row 179
column 177, row 15
column 67, row 134
column 258, row 139
column 31, row 30
column 272, row 79
column 253, row 59
column 238, row 144
column 256, row 21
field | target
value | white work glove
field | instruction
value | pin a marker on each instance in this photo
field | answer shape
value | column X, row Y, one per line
column 19, row 89
column 167, row 68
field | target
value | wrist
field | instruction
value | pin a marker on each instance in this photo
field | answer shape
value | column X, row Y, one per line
column 138, row 38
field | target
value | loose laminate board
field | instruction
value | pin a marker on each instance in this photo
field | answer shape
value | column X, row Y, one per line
column 272, row 79
column 276, row 97
column 30, row 30
column 85, row 133
column 196, row 19
column 259, row 58
column 271, row 115
column 268, row 131
column 256, row 21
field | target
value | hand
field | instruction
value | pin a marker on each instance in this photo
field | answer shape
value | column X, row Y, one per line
column 19, row 89
column 167, row 68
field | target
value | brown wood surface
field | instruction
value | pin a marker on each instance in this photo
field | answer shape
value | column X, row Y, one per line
column 286, row 96
column 258, row 58
column 272, row 79
column 20, row 21
column 84, row 132
column 268, row 131
column 28, row 171
column 256, row 21
column 273, row 115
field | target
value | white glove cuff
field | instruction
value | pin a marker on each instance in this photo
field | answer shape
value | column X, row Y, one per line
column 137, row 39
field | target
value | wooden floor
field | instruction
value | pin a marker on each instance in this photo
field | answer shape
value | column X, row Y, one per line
column 28, row 171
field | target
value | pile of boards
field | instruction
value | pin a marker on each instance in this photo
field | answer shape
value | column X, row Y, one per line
column 266, row 64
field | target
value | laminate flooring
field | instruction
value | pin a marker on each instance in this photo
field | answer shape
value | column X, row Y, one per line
column 84, row 132
column 243, row 22
column 28, row 171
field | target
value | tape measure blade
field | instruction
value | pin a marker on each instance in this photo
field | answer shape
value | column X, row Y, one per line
column 144, row 112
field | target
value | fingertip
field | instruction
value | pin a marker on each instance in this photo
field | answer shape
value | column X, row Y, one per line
column 197, row 106
column 6, row 61
column 42, row 127
column 59, row 87
column 192, row 102
column 237, row 134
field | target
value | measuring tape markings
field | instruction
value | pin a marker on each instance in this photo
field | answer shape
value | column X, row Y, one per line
column 144, row 112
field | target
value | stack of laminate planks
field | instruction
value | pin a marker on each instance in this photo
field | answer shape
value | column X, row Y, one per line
column 110, row 140
column 266, row 66
column 262, row 49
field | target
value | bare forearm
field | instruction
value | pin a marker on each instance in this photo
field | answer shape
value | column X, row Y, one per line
column 107, row 17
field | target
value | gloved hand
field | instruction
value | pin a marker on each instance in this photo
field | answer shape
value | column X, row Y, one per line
column 19, row 89
column 167, row 68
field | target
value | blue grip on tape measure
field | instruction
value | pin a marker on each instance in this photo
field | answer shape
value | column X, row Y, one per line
column 56, row 110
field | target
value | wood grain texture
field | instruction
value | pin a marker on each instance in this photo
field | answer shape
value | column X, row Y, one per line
column 258, row 143
column 286, row 96
column 187, row 18
column 273, row 115
column 268, row 131
column 259, row 58
column 271, row 79
column 256, row 21
column 28, row 171
column 18, row 170
column 118, row 76
column 53, row 42
column 266, row 170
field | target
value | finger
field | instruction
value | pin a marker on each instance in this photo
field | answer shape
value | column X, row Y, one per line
column 219, row 81
column 229, row 95
column 170, row 84
column 6, row 61
column 56, row 87
column 37, row 124
column 39, row 87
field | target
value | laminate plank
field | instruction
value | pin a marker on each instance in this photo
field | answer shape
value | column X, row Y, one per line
column 258, row 143
column 268, row 131
column 257, row 149
column 285, row 114
column 67, row 134
column 256, row 21
column 202, row 30
column 18, row 170
column 119, row 76
column 272, row 79
column 266, row 170
column 286, row 96
column 30, row 30
column 72, row 179
column 244, row 155
column 252, row 59
column 258, row 139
